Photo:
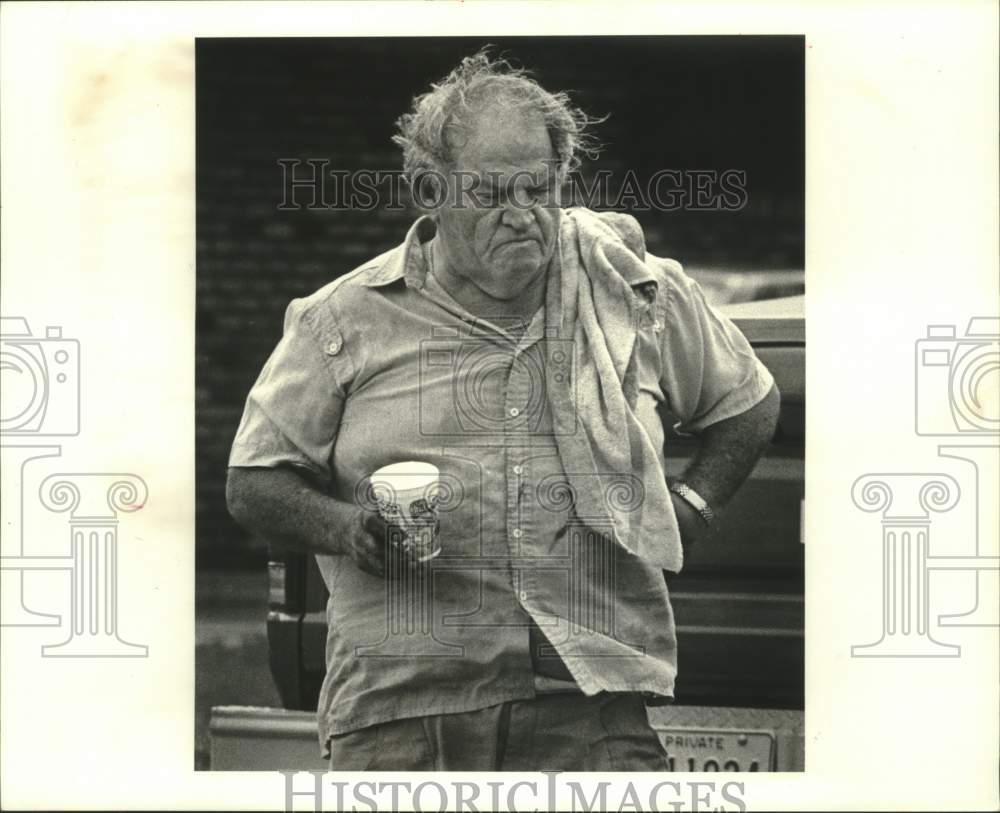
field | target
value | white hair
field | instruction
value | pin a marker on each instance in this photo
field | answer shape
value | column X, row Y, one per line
column 427, row 134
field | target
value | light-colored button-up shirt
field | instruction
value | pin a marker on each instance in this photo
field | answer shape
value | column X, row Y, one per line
column 381, row 366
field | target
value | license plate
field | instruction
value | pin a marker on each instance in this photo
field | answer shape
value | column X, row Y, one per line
column 729, row 749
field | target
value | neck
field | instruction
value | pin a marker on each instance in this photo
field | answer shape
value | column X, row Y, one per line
column 477, row 301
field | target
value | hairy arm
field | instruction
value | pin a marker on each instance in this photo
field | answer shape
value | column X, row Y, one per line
column 727, row 454
column 289, row 510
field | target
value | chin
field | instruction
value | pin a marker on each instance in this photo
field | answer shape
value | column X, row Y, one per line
column 519, row 270
column 518, row 278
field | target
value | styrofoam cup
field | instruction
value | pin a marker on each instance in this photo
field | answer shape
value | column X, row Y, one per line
column 406, row 496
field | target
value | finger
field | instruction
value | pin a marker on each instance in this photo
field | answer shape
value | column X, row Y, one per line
column 386, row 551
column 375, row 525
column 366, row 552
column 388, row 537
column 369, row 561
column 396, row 561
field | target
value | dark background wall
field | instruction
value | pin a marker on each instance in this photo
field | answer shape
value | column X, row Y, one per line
column 682, row 103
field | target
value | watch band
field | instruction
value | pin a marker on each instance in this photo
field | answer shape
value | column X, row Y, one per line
column 694, row 499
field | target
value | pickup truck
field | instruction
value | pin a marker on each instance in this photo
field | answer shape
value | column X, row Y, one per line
column 739, row 606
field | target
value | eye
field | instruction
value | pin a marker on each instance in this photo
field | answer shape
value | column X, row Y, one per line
column 541, row 193
column 486, row 196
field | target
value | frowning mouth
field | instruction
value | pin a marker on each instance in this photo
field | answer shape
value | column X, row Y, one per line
column 521, row 241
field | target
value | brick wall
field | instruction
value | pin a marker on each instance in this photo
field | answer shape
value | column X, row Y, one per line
column 678, row 103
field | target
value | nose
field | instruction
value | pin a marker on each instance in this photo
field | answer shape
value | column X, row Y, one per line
column 517, row 216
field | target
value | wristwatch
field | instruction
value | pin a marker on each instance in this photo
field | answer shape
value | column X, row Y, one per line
column 694, row 499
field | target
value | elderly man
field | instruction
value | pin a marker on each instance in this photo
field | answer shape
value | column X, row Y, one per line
column 523, row 350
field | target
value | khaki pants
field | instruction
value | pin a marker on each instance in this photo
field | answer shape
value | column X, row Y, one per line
column 559, row 731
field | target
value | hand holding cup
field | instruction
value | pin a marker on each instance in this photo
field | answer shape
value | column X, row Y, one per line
column 403, row 531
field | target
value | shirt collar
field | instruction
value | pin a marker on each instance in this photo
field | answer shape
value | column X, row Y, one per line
column 406, row 261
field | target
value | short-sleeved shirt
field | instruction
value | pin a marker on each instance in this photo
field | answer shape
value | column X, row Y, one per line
column 381, row 366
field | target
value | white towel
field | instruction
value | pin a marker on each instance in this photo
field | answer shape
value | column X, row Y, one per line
column 596, row 299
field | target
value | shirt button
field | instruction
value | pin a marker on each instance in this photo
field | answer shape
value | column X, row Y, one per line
column 333, row 347
column 518, row 469
column 523, row 596
column 514, row 412
column 517, row 533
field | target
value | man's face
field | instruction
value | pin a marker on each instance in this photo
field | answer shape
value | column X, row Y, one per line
column 500, row 223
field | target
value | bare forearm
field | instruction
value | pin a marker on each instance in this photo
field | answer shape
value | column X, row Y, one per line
column 730, row 449
column 285, row 507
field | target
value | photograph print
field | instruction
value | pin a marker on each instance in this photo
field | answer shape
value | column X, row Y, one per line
column 500, row 408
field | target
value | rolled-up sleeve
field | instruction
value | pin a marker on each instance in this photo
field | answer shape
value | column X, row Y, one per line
column 709, row 372
column 293, row 411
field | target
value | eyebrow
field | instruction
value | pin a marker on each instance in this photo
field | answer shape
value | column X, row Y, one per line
column 534, row 178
